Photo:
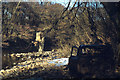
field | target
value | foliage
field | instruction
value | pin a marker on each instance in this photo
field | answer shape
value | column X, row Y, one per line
column 66, row 27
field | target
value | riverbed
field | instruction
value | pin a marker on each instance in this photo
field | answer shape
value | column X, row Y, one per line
column 34, row 65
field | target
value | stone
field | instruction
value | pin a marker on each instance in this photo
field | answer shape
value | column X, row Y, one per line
column 7, row 67
column 2, row 70
column 29, row 57
column 37, row 59
column 1, row 74
column 116, row 71
column 12, row 55
column 22, row 59
column 8, row 70
column 40, row 39
column 14, row 63
column 4, row 54
column 53, row 50
column 1, row 77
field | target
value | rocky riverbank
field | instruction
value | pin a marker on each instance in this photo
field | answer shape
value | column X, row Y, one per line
column 44, row 65
column 35, row 63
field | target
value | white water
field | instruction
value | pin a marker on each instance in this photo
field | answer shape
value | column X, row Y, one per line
column 60, row 62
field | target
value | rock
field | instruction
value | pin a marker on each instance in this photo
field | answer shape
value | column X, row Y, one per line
column 8, row 70
column 22, row 59
column 12, row 55
column 14, row 63
column 1, row 77
column 37, row 63
column 7, row 67
column 18, row 55
column 30, row 64
column 53, row 50
column 94, row 76
column 37, row 54
column 28, row 67
column 16, row 69
column 40, row 58
column 37, row 59
column 33, row 58
column 2, row 70
column 29, row 57
column 1, row 74
column 116, row 71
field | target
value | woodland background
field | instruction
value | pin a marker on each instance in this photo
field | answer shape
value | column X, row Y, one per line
column 64, row 27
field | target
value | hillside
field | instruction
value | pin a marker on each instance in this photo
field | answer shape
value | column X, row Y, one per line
column 61, row 28
column 79, row 26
